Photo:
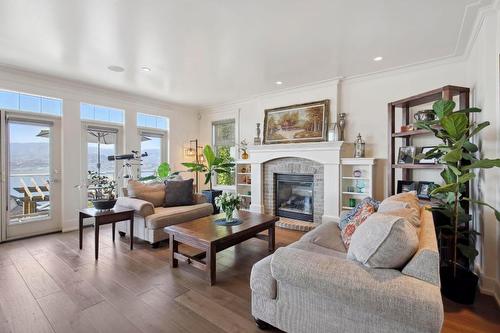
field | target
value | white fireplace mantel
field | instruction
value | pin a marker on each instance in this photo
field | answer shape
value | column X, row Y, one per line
column 325, row 153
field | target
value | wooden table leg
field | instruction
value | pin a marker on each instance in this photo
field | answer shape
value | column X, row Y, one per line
column 113, row 228
column 96, row 230
column 211, row 264
column 271, row 240
column 174, row 246
column 80, row 229
column 131, row 232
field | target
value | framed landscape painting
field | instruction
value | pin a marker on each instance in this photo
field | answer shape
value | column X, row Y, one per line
column 297, row 123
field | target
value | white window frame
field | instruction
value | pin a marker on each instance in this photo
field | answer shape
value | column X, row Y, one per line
column 164, row 150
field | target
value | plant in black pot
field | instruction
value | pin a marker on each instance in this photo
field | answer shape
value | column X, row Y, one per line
column 461, row 158
column 213, row 165
column 102, row 191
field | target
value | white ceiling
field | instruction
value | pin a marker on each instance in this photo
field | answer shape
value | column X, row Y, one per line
column 205, row 52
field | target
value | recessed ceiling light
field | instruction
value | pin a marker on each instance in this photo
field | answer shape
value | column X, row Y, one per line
column 279, row 83
column 114, row 68
column 145, row 69
column 377, row 58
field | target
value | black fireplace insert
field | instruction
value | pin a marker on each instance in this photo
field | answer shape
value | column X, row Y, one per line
column 294, row 195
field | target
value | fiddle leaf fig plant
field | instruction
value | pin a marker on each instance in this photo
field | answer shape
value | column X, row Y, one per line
column 214, row 164
column 459, row 155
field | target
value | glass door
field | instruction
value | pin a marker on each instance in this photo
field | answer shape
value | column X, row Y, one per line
column 31, row 189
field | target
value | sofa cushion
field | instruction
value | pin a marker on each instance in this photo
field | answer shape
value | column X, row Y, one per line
column 383, row 241
column 359, row 218
column 314, row 248
column 410, row 214
column 327, row 235
column 178, row 193
column 346, row 217
column 165, row 216
column 408, row 199
column 152, row 192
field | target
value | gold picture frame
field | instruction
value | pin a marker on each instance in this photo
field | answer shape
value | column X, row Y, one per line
column 307, row 122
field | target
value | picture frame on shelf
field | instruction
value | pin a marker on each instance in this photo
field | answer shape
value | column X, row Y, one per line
column 425, row 150
column 424, row 190
column 407, row 155
column 406, row 186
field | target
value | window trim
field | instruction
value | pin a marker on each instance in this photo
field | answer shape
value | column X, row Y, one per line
column 31, row 113
column 107, row 122
column 156, row 133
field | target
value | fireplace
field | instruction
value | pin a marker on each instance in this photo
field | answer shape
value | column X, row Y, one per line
column 294, row 195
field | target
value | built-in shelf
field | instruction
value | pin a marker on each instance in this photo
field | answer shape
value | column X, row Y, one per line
column 355, row 193
column 244, row 184
column 245, row 195
column 347, row 208
column 244, row 173
column 356, row 178
column 350, row 184
column 418, row 166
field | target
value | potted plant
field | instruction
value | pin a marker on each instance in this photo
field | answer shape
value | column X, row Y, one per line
column 102, row 190
column 228, row 202
column 213, row 165
column 460, row 158
column 163, row 172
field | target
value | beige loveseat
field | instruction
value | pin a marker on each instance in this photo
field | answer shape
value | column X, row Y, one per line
column 149, row 220
column 310, row 286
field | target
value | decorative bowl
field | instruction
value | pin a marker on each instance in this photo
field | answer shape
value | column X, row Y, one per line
column 424, row 115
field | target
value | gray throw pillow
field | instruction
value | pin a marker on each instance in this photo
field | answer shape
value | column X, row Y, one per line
column 179, row 193
column 383, row 241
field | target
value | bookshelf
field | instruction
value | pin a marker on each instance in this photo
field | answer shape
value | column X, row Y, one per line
column 356, row 185
column 244, row 184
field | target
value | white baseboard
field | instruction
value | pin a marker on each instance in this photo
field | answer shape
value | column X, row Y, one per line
column 489, row 286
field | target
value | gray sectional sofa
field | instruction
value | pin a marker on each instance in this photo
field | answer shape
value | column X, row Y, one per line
column 310, row 286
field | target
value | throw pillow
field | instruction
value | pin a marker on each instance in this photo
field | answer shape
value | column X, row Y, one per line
column 383, row 241
column 410, row 198
column 410, row 214
column 179, row 193
column 361, row 215
column 346, row 217
column 152, row 192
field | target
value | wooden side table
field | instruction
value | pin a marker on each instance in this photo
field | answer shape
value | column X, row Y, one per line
column 117, row 214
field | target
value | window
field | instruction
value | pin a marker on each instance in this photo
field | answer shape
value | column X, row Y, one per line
column 151, row 121
column 223, row 137
column 31, row 103
column 151, row 143
column 101, row 113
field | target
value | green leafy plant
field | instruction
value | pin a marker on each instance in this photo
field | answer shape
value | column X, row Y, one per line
column 213, row 165
column 163, row 172
column 460, row 157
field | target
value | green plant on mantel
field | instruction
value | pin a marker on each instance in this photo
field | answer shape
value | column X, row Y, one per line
column 460, row 157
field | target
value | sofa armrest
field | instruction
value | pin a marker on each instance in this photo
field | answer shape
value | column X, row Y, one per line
column 199, row 198
column 262, row 281
column 141, row 207
column 383, row 292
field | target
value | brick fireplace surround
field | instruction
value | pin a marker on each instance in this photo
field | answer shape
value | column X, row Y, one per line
column 321, row 159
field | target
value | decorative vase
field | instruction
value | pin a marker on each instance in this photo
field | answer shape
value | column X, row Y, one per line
column 244, row 155
column 333, row 132
column 341, row 125
column 229, row 214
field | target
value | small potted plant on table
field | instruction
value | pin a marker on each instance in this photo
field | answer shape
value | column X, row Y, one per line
column 102, row 190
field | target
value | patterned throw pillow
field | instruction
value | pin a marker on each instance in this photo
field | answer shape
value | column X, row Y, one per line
column 348, row 216
column 361, row 215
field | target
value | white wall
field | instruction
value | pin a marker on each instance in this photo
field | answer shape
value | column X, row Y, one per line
column 483, row 78
column 183, row 126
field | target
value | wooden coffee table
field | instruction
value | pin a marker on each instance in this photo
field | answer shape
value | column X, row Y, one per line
column 205, row 235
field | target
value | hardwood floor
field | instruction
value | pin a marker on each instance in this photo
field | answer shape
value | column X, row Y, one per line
column 48, row 285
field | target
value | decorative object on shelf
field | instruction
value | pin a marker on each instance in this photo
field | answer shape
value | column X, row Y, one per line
column 244, row 148
column 297, row 123
column 352, row 202
column 243, row 170
column 406, row 186
column 359, row 147
column 458, row 280
column 357, row 173
column 406, row 155
column 424, row 190
column 333, row 132
column 360, row 186
column 424, row 115
column 102, row 190
column 423, row 152
column 212, row 165
column 257, row 141
column 407, row 128
column 228, row 202
column 341, row 125
column 351, row 188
